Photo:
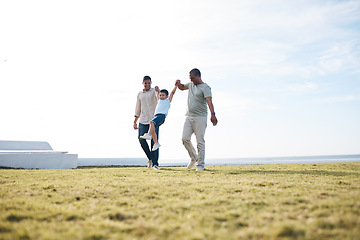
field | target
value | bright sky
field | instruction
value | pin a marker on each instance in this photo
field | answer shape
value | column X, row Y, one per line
column 285, row 75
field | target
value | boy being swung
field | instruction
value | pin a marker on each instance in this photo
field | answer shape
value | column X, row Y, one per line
column 162, row 109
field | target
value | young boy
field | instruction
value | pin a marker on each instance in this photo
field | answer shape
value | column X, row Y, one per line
column 161, row 112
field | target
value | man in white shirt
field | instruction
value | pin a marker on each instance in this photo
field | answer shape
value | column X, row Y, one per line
column 144, row 111
column 196, row 117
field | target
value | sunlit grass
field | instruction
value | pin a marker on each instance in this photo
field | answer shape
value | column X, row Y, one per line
column 293, row 201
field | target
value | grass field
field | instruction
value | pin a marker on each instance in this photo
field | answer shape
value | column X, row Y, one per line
column 292, row 201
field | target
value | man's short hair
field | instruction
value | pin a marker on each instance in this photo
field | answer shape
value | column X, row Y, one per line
column 147, row 78
column 195, row 72
column 165, row 91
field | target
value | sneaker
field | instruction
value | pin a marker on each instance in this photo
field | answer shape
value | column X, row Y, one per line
column 149, row 164
column 191, row 163
column 146, row 136
column 198, row 169
column 156, row 146
column 156, row 167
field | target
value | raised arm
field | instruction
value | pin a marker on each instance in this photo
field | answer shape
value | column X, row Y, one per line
column 213, row 118
column 172, row 93
column 157, row 92
column 180, row 85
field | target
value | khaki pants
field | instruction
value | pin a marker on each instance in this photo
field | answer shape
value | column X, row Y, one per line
column 195, row 125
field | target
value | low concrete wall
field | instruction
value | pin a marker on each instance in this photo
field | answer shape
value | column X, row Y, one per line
column 34, row 155
column 38, row 161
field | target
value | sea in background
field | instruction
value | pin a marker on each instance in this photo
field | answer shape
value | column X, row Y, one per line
column 220, row 161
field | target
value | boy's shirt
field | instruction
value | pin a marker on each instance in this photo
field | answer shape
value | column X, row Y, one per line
column 163, row 107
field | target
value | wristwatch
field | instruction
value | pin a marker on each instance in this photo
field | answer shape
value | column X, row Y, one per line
column 213, row 113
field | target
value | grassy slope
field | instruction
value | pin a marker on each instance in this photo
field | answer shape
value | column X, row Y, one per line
column 295, row 201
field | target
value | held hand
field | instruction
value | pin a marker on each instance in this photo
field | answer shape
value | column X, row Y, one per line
column 157, row 89
column 135, row 126
column 177, row 82
column 213, row 119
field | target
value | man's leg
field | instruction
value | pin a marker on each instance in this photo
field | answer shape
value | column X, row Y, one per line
column 144, row 128
column 186, row 139
column 199, row 125
column 155, row 154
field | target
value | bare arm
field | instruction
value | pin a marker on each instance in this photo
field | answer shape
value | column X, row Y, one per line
column 213, row 118
column 180, row 85
column 157, row 92
column 172, row 93
column 135, row 122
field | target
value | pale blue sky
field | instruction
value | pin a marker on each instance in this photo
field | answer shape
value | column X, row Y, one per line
column 285, row 75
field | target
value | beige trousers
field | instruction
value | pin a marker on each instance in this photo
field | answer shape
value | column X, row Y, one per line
column 195, row 125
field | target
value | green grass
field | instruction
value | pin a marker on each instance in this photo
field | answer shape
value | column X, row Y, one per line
column 293, row 201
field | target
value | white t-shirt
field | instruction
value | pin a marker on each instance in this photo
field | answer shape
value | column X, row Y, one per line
column 163, row 107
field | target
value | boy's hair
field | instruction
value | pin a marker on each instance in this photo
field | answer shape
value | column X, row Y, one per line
column 165, row 91
column 195, row 72
column 146, row 78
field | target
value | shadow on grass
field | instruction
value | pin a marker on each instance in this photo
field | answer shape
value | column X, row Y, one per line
column 9, row 168
column 110, row 166
column 171, row 169
column 291, row 172
column 168, row 168
column 239, row 172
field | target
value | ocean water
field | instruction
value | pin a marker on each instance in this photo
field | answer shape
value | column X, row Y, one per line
column 221, row 161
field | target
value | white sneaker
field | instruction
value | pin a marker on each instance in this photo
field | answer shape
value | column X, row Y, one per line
column 156, row 146
column 149, row 164
column 198, row 169
column 156, row 167
column 146, row 136
column 191, row 163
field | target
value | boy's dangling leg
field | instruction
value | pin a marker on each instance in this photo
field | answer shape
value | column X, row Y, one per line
column 152, row 132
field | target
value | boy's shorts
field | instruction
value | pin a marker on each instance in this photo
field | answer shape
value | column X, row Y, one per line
column 158, row 119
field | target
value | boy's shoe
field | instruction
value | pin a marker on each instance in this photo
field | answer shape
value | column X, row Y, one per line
column 191, row 163
column 156, row 146
column 156, row 167
column 146, row 136
column 198, row 168
column 149, row 164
